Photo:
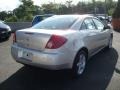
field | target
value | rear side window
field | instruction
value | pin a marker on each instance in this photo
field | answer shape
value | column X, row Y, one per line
column 89, row 24
column 98, row 24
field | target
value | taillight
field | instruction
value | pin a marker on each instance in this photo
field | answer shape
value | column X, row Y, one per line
column 55, row 42
column 14, row 37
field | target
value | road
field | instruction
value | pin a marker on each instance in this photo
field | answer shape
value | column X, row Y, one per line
column 102, row 72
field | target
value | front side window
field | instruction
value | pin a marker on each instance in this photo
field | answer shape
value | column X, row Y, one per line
column 89, row 24
column 56, row 22
column 98, row 24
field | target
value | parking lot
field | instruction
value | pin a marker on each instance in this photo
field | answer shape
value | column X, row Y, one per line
column 102, row 72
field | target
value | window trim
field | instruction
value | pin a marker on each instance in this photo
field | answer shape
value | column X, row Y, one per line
column 99, row 21
column 81, row 26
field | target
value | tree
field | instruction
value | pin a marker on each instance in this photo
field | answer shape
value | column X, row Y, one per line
column 11, row 19
column 26, row 10
column 62, row 9
column 116, row 13
column 69, row 3
column 3, row 15
column 50, row 8
column 37, row 10
column 116, row 17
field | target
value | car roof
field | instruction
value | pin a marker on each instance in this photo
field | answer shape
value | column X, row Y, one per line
column 75, row 15
column 44, row 15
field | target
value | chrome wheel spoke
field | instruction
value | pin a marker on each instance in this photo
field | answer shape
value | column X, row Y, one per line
column 81, row 63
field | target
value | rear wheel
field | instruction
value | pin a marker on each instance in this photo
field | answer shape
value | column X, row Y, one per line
column 79, row 63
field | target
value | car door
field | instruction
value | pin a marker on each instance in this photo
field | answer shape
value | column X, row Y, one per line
column 103, row 33
column 92, row 37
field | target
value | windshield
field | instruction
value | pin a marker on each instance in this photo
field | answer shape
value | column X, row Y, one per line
column 56, row 22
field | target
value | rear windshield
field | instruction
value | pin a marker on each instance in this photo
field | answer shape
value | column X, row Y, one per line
column 56, row 22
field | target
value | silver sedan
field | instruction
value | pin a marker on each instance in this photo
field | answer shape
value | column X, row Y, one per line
column 61, row 42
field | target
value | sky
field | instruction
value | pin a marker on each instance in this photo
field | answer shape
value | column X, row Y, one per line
column 9, row 5
column 12, row 4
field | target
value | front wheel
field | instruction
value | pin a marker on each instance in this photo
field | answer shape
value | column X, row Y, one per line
column 79, row 63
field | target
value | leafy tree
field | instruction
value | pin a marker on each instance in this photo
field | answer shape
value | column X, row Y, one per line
column 116, row 13
column 11, row 19
column 3, row 15
column 62, row 9
column 110, row 11
column 24, row 9
column 50, row 8
column 37, row 10
column 27, row 9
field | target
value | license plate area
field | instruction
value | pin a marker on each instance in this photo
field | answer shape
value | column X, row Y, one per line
column 25, row 54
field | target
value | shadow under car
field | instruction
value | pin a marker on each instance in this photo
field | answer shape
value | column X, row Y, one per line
column 98, row 73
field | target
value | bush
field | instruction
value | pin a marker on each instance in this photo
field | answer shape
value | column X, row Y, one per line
column 28, row 18
column 11, row 19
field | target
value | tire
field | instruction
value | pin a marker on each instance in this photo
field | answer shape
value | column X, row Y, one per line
column 27, row 65
column 7, row 38
column 79, row 64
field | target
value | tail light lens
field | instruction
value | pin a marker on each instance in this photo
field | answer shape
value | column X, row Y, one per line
column 55, row 42
column 14, row 37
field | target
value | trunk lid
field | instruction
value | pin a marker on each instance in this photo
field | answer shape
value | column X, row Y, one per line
column 36, row 38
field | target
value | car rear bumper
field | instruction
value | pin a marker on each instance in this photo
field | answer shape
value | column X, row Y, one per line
column 54, row 61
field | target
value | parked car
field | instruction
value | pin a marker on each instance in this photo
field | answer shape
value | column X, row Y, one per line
column 61, row 42
column 5, row 31
column 39, row 18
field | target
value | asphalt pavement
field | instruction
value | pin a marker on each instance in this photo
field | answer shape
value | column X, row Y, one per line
column 102, row 72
